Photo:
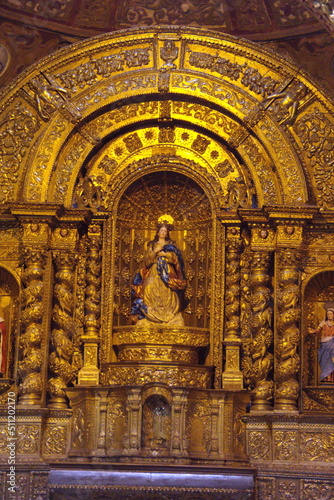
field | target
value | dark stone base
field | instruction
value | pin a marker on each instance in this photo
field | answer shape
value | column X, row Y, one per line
column 171, row 484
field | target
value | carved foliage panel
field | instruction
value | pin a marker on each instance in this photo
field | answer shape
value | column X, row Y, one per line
column 55, row 439
column 117, row 423
column 198, row 426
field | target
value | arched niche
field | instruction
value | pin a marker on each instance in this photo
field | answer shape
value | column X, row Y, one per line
column 318, row 296
column 9, row 312
column 156, row 425
column 140, row 206
column 176, row 188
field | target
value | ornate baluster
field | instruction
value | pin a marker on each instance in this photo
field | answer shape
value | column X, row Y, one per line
column 30, row 354
column 288, row 361
column 63, row 327
column 262, row 334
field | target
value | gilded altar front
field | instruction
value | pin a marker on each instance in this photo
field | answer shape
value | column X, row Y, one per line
column 234, row 146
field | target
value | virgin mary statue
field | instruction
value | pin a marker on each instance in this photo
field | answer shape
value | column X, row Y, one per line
column 158, row 287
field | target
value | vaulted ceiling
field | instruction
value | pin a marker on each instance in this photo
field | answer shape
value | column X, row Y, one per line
column 300, row 30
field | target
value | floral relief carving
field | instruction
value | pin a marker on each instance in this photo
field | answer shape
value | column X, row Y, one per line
column 55, row 440
column 285, row 443
column 259, row 445
column 317, row 446
column 27, row 439
column 315, row 131
column 17, row 130
column 88, row 73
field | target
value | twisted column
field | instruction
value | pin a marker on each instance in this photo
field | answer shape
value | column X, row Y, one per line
column 60, row 361
column 30, row 353
column 262, row 334
column 288, row 360
column 232, row 377
column 246, row 314
column 89, row 374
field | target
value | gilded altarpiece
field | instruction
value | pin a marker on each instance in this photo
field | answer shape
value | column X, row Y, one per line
column 232, row 145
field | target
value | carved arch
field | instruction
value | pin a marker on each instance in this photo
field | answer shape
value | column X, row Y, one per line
column 243, row 84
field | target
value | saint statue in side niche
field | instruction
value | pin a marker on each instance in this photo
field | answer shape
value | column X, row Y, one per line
column 326, row 346
column 158, row 287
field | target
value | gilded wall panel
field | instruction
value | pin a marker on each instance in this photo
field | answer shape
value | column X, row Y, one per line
column 19, row 126
column 259, row 447
column 317, row 446
column 55, row 440
column 316, row 490
column 287, row 489
column 314, row 131
column 285, row 445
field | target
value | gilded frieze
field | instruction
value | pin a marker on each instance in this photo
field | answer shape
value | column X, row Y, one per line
column 158, row 354
column 187, row 337
column 315, row 129
column 139, row 375
column 42, row 155
column 90, row 72
column 219, row 92
column 261, row 168
column 111, row 91
column 249, row 77
column 317, row 489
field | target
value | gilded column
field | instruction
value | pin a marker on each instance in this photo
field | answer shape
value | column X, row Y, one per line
column 89, row 374
column 60, row 361
column 30, row 352
column 288, row 360
column 246, row 313
column 262, row 334
column 232, row 378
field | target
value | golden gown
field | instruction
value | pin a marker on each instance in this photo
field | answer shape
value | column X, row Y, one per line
column 158, row 285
